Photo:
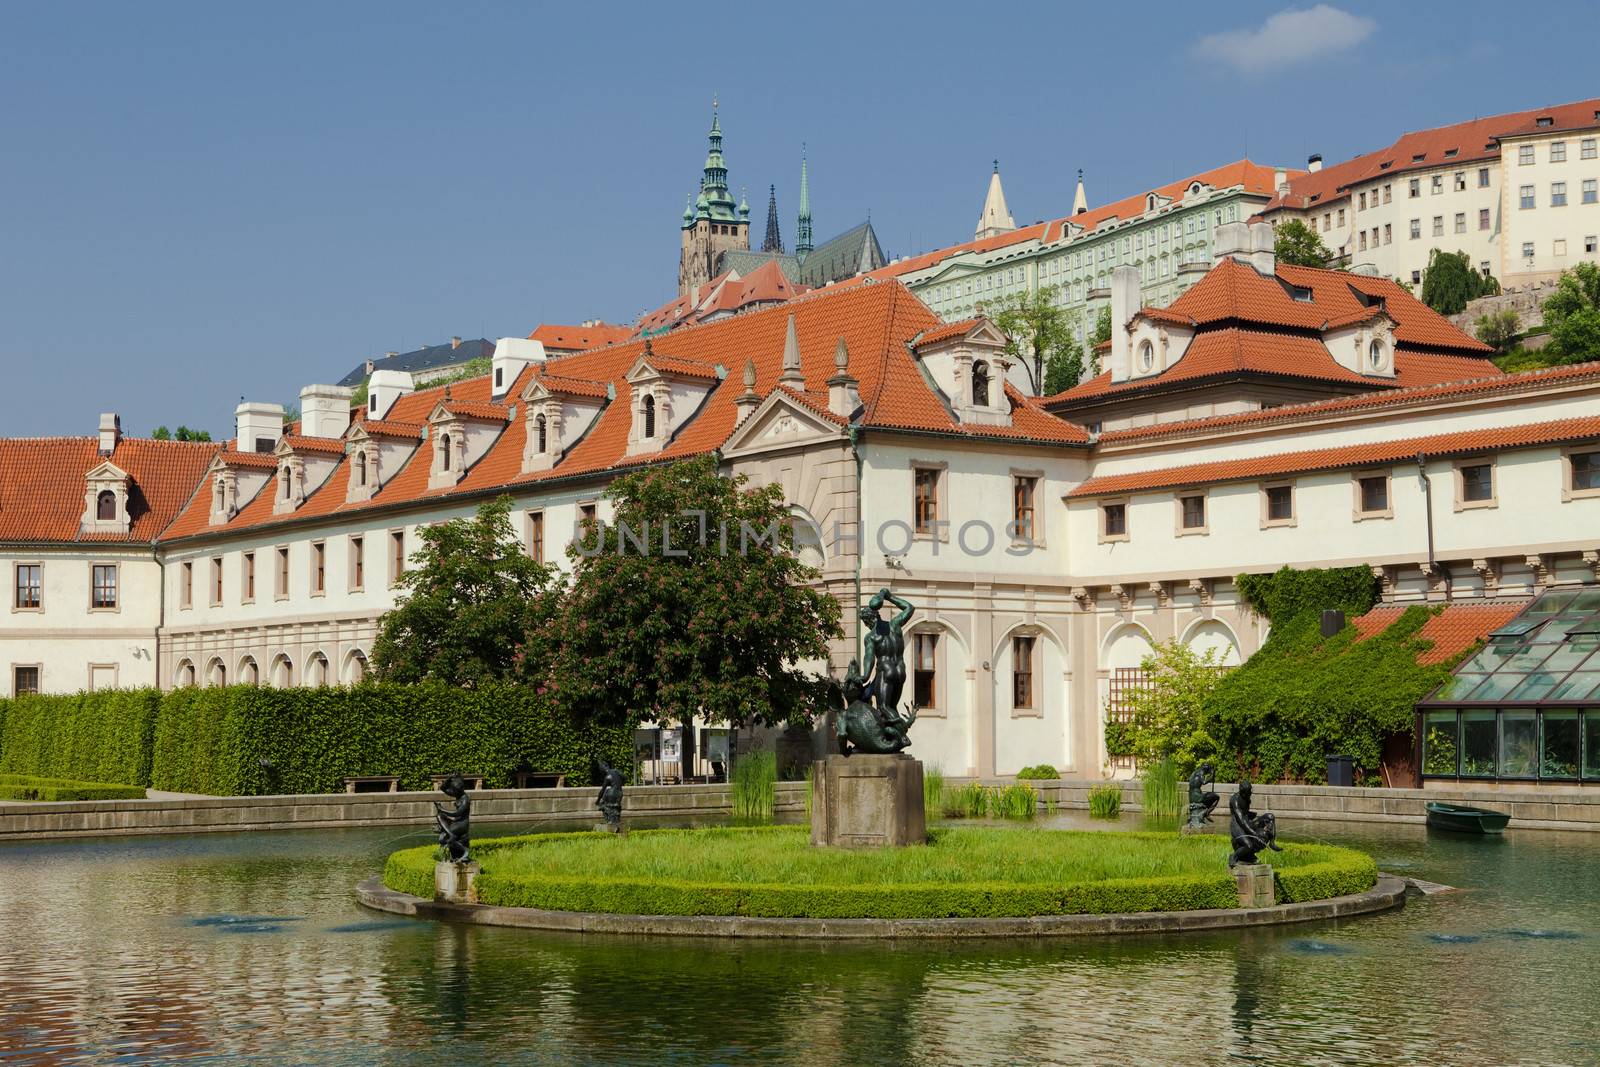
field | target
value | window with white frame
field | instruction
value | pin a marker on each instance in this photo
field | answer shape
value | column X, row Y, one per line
column 925, row 669
column 1461, row 222
column 1525, row 197
column 1438, row 225
column 1483, row 177
column 1558, row 194
column 1588, row 190
column 1558, row 151
column 1525, row 155
column 1483, row 218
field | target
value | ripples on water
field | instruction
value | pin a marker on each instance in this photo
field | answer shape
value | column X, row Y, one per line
column 250, row 949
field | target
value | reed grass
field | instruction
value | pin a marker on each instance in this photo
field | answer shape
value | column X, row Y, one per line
column 1163, row 796
column 933, row 790
column 755, row 787
column 1105, row 801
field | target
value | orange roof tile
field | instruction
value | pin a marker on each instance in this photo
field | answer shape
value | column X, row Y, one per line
column 1454, row 630
column 1364, row 455
column 477, row 409
column 389, row 428
column 558, row 383
column 944, row 333
column 579, row 338
column 313, row 444
column 41, row 485
column 258, row 460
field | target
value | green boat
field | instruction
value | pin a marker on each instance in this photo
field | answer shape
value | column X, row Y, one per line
column 1465, row 820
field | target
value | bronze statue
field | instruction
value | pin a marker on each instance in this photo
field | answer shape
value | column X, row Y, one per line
column 1201, row 802
column 885, row 651
column 866, row 728
column 610, row 799
column 1251, row 833
column 454, row 821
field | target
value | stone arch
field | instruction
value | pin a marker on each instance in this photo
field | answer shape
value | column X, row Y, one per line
column 281, row 673
column 249, row 672
column 808, row 537
column 1040, row 730
column 945, row 734
column 1126, row 645
column 1203, row 634
column 316, row 672
column 216, row 672
column 183, row 677
column 355, row 666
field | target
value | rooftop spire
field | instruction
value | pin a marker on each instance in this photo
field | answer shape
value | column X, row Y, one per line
column 715, row 203
column 792, row 375
column 1080, row 203
column 774, row 238
column 994, row 218
column 802, row 238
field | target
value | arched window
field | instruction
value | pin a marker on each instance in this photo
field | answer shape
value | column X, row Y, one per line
column 980, row 384
column 185, row 677
column 1147, row 355
column 361, row 468
column 105, row 506
column 249, row 673
column 217, row 674
column 444, row 452
column 539, row 425
column 218, row 495
column 649, row 416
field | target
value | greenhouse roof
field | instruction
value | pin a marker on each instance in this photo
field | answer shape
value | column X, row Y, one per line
column 1547, row 654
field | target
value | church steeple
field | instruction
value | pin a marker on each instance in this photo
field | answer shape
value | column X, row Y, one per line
column 774, row 238
column 995, row 217
column 715, row 202
column 713, row 223
column 1080, row 203
column 802, row 237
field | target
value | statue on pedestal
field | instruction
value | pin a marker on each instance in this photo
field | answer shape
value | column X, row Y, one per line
column 610, row 799
column 871, row 721
column 455, row 820
column 1251, row 833
column 1201, row 802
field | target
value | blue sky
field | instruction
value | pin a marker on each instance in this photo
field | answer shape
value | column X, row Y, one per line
column 199, row 202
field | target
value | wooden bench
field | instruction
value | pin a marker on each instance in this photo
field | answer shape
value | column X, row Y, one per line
column 376, row 783
column 540, row 780
column 474, row 781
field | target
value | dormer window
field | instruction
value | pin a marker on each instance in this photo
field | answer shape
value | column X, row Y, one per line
column 542, row 434
column 361, row 469
column 105, row 500
column 219, row 496
column 444, row 451
column 980, row 383
column 105, row 506
column 285, row 483
column 649, row 416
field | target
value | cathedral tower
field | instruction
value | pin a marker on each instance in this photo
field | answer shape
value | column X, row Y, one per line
column 802, row 239
column 712, row 223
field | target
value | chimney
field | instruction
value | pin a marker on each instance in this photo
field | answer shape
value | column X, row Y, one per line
column 257, row 426
column 1232, row 241
column 511, row 354
column 384, row 389
column 455, row 342
column 747, row 401
column 1314, row 163
column 1280, row 180
column 369, row 368
column 325, row 410
column 1125, row 304
column 110, row 432
column 390, row 355
column 1263, row 248
column 843, row 396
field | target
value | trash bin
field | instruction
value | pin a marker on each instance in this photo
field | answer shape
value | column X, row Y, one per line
column 1341, row 770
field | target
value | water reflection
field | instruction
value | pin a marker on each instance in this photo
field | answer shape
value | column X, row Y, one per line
column 249, row 948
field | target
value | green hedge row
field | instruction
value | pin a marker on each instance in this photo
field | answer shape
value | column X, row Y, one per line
column 86, row 737
column 250, row 741
column 23, row 787
column 1337, row 872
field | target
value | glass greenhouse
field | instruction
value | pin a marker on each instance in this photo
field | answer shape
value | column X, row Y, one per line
column 1526, row 707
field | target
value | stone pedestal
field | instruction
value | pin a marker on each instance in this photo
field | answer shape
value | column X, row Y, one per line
column 865, row 801
column 1255, row 885
column 453, row 882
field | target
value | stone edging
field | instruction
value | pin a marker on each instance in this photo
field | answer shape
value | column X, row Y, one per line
column 1389, row 892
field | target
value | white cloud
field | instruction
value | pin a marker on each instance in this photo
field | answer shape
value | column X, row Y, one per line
column 1286, row 39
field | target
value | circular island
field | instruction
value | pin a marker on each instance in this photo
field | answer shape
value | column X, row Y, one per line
column 968, row 881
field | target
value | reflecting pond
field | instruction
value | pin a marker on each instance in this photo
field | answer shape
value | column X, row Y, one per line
column 250, row 949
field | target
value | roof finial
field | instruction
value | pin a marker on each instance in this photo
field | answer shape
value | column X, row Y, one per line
column 997, row 166
column 841, row 356
column 750, row 375
column 792, row 374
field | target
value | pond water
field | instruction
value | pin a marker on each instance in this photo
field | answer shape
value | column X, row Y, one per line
column 250, row 949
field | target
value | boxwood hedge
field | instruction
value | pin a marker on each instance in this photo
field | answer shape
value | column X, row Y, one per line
column 249, row 740
column 1331, row 871
column 23, row 787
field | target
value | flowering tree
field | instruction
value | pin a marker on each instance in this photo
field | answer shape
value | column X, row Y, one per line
column 691, row 601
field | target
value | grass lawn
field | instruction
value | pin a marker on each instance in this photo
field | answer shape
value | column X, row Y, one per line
column 964, row 871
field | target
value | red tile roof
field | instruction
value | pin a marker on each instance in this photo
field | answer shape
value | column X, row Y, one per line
column 411, row 431
column 726, row 294
column 477, row 409
column 258, row 460
column 1489, row 380
column 1364, row 455
column 330, row 445
column 557, row 383
column 944, row 333
column 42, row 486
column 877, row 323
column 1454, row 630
column 579, row 338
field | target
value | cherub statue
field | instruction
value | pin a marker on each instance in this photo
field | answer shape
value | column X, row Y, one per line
column 455, row 820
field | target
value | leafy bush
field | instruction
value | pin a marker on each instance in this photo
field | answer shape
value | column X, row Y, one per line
column 1163, row 792
column 1105, row 801
column 755, row 778
column 771, row 871
column 249, row 741
column 1040, row 772
column 84, row 737
column 23, row 787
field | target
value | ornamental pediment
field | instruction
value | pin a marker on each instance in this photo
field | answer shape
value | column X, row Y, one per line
column 780, row 422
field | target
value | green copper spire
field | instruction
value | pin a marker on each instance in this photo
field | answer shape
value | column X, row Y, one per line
column 802, row 239
column 716, row 203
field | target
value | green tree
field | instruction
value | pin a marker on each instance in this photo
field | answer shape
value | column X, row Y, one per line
column 1572, row 314
column 1040, row 333
column 1299, row 245
column 468, row 606
column 1168, row 715
column 183, row 433
column 472, row 368
column 1102, row 328
column 1498, row 328
column 1451, row 281
column 691, row 601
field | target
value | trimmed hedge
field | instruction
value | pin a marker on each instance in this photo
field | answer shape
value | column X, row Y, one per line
column 250, row 741
column 86, row 737
column 22, row 787
column 1040, row 772
column 215, row 740
column 1333, row 872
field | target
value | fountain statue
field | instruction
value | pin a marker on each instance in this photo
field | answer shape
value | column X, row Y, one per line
column 1201, row 802
column 455, row 820
column 610, row 799
column 871, row 721
column 1251, row 833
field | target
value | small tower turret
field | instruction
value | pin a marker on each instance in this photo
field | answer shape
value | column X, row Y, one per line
column 802, row 237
